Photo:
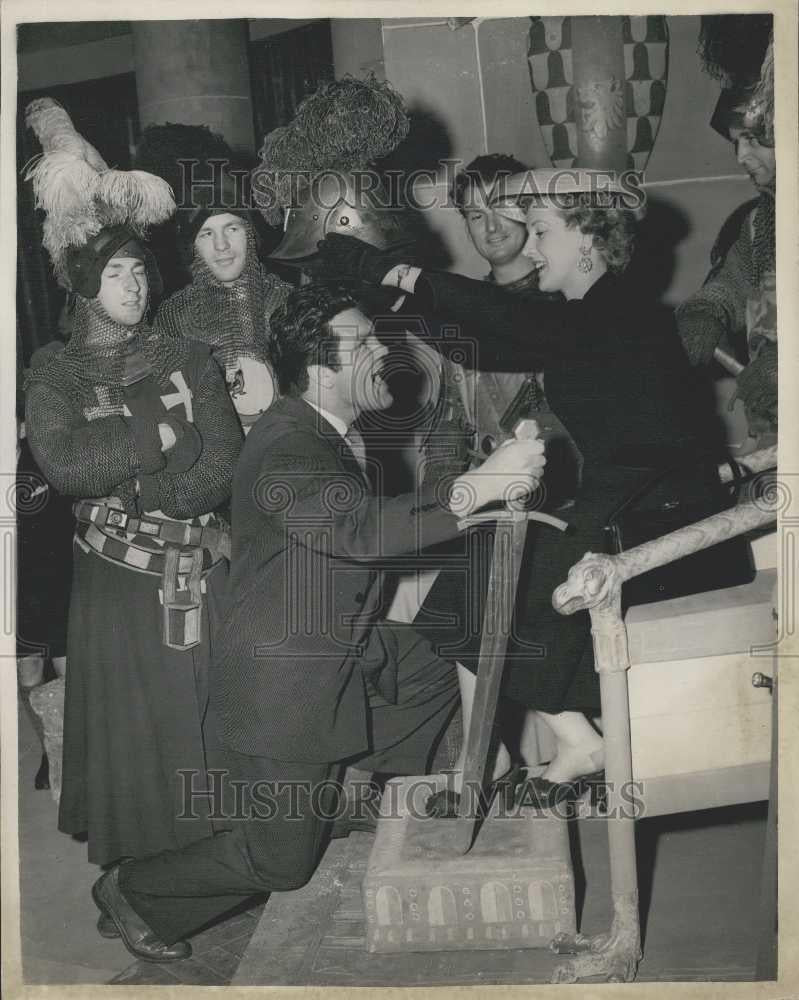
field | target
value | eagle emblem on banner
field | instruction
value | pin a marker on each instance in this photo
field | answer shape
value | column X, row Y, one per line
column 561, row 107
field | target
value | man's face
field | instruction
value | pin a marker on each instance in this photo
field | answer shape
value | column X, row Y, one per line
column 123, row 290
column 758, row 161
column 359, row 384
column 222, row 244
column 497, row 239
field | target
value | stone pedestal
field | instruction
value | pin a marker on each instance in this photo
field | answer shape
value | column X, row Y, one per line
column 514, row 889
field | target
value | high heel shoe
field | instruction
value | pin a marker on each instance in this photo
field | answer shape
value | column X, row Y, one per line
column 445, row 803
column 42, row 779
column 542, row 794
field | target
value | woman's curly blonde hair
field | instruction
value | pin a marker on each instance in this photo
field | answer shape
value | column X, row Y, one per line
column 612, row 230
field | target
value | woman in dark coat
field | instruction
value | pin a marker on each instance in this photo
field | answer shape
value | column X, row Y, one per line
column 615, row 374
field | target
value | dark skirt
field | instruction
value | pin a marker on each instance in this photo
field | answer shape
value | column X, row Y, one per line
column 549, row 663
column 133, row 715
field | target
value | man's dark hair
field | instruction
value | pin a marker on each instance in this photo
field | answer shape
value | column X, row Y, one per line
column 482, row 172
column 302, row 336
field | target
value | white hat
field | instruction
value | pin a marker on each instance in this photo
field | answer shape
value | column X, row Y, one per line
column 565, row 188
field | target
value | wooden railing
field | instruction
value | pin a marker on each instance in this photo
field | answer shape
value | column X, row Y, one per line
column 594, row 584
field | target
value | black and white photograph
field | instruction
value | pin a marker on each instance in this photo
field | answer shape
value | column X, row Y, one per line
column 400, row 541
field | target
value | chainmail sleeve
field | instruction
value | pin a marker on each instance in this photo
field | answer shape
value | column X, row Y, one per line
column 173, row 318
column 718, row 308
column 207, row 484
column 80, row 458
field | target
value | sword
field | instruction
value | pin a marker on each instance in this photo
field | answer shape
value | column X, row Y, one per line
column 456, row 834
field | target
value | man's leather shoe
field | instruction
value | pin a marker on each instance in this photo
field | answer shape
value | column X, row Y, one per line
column 106, row 927
column 140, row 940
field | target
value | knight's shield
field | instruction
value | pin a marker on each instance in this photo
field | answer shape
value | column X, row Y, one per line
column 563, row 109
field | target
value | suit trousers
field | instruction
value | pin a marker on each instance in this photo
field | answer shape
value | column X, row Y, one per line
column 277, row 812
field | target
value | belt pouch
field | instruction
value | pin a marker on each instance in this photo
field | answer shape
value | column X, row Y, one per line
column 182, row 608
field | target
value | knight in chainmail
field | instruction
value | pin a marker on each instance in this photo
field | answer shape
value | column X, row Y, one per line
column 736, row 308
column 139, row 429
column 231, row 296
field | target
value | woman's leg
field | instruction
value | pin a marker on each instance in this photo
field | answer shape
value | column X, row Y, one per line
column 580, row 749
column 533, row 753
column 467, row 683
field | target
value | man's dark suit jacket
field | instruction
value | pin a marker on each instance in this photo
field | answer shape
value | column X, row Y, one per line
column 290, row 665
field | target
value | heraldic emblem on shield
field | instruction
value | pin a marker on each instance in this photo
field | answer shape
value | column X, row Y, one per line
column 601, row 105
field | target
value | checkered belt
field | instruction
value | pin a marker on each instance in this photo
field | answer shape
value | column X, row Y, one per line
column 98, row 515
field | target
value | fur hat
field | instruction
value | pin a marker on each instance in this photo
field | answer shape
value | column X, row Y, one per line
column 201, row 168
column 738, row 50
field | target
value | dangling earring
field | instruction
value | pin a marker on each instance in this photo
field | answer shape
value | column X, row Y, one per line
column 585, row 264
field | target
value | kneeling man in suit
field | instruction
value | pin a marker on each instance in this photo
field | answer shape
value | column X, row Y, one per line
column 304, row 679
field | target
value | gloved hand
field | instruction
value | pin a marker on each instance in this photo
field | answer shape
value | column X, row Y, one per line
column 187, row 447
column 756, row 387
column 347, row 257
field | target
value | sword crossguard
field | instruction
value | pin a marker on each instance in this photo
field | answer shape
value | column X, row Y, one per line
column 503, row 516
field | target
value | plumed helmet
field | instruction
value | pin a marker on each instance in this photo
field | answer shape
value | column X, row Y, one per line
column 316, row 173
column 91, row 209
column 353, row 204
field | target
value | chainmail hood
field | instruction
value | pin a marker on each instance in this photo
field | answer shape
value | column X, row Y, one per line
column 764, row 238
column 90, row 370
column 232, row 319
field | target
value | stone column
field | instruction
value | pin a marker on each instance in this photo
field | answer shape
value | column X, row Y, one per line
column 195, row 73
column 599, row 91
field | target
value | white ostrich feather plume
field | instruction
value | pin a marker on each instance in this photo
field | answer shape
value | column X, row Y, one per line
column 79, row 192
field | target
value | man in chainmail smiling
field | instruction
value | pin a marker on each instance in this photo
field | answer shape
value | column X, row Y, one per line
column 231, row 296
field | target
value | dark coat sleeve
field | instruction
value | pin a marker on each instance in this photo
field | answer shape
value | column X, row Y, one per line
column 335, row 514
column 510, row 332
